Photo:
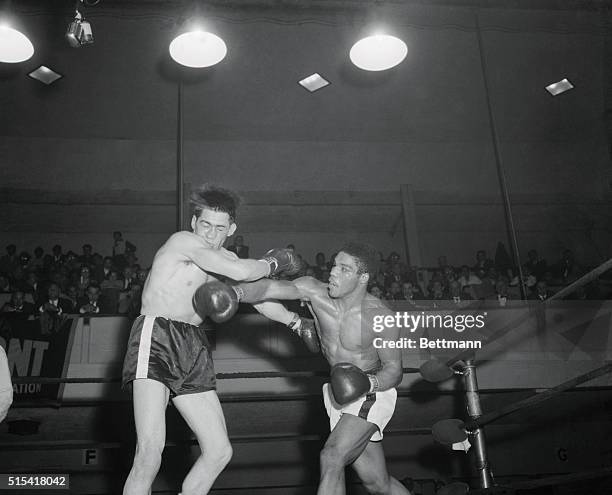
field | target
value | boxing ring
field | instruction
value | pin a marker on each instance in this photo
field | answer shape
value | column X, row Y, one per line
column 435, row 381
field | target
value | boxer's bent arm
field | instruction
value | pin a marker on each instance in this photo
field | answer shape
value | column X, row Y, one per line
column 212, row 260
column 391, row 373
column 6, row 388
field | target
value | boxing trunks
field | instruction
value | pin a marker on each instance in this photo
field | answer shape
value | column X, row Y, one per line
column 377, row 408
column 174, row 353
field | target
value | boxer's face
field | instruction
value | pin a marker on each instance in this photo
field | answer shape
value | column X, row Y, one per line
column 345, row 277
column 213, row 226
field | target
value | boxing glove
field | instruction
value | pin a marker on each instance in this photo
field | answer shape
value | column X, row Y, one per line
column 216, row 300
column 348, row 383
column 305, row 328
column 282, row 261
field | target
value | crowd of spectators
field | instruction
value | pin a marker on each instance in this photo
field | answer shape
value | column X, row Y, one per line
column 89, row 283
column 58, row 283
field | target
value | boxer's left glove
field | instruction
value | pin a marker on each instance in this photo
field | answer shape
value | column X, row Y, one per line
column 282, row 261
column 348, row 383
column 305, row 328
column 216, row 300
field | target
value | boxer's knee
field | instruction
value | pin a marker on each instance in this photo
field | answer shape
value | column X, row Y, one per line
column 148, row 455
column 376, row 483
column 332, row 457
column 223, row 455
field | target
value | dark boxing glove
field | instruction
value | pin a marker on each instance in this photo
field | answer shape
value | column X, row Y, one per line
column 305, row 328
column 282, row 261
column 348, row 383
column 216, row 300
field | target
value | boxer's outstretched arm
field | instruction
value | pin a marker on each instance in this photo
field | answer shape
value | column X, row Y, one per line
column 262, row 290
column 275, row 311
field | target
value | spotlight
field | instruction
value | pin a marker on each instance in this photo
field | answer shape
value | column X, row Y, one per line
column 378, row 52
column 15, row 46
column 198, row 49
column 79, row 31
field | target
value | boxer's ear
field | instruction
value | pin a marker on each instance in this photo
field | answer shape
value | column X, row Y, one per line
column 231, row 230
column 193, row 222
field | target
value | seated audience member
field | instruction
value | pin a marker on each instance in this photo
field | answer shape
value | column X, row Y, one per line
column 437, row 291
column 33, row 287
column 482, row 262
column 10, row 261
column 55, row 259
column 411, row 292
column 468, row 277
column 6, row 387
column 5, row 284
column 535, row 264
column 71, row 264
column 486, row 289
column 37, row 263
column 18, row 306
column 395, row 274
column 111, row 289
column 71, row 295
column 90, row 305
column 128, row 278
column 541, row 292
column 502, row 295
column 394, row 292
column 567, row 268
column 456, row 292
column 103, row 271
column 87, row 255
column 239, row 248
column 376, row 291
column 54, row 305
column 83, row 280
column 130, row 302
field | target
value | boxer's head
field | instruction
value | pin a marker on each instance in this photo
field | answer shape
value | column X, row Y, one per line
column 214, row 214
column 352, row 268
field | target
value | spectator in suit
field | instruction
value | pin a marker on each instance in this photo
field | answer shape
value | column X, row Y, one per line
column 37, row 263
column 239, row 248
column 18, row 306
column 90, row 305
column 537, row 266
column 394, row 293
column 32, row 286
column 103, row 272
column 6, row 387
column 111, row 289
column 56, row 259
column 72, row 297
column 128, row 277
column 10, row 261
column 411, row 291
column 54, row 305
column 468, row 277
column 482, row 262
column 567, row 269
column 83, row 280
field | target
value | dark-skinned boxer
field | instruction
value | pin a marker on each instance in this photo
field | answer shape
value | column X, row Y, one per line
column 361, row 397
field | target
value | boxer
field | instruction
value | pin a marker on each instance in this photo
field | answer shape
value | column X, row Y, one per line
column 168, row 355
column 360, row 399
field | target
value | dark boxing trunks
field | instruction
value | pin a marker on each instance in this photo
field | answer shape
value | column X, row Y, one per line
column 174, row 353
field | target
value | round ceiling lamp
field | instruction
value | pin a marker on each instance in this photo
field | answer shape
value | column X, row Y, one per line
column 15, row 46
column 198, row 49
column 378, row 52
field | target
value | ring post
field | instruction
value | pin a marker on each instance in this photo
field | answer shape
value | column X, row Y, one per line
column 474, row 411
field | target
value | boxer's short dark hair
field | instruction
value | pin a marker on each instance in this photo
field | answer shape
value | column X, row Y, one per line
column 365, row 256
column 216, row 199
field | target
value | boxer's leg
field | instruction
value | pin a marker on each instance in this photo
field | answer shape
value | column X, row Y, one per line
column 150, row 401
column 372, row 470
column 203, row 414
column 345, row 444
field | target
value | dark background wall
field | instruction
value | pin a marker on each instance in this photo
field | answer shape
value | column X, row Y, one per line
column 104, row 136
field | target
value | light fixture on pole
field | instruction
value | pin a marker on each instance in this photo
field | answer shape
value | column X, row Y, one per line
column 15, row 46
column 197, row 48
column 378, row 52
column 79, row 30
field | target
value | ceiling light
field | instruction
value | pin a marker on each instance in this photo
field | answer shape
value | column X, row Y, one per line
column 14, row 46
column 314, row 82
column 198, row 49
column 79, row 31
column 45, row 75
column 559, row 87
column 379, row 52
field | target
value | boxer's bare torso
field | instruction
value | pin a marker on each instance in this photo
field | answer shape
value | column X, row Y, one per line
column 174, row 277
column 345, row 331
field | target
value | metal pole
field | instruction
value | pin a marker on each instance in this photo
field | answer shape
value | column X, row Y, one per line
column 474, row 411
column 500, row 169
column 179, row 160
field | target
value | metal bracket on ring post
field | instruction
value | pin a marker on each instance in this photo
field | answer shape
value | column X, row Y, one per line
column 474, row 411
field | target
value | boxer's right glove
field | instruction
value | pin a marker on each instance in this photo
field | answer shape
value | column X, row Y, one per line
column 305, row 328
column 282, row 261
column 348, row 383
